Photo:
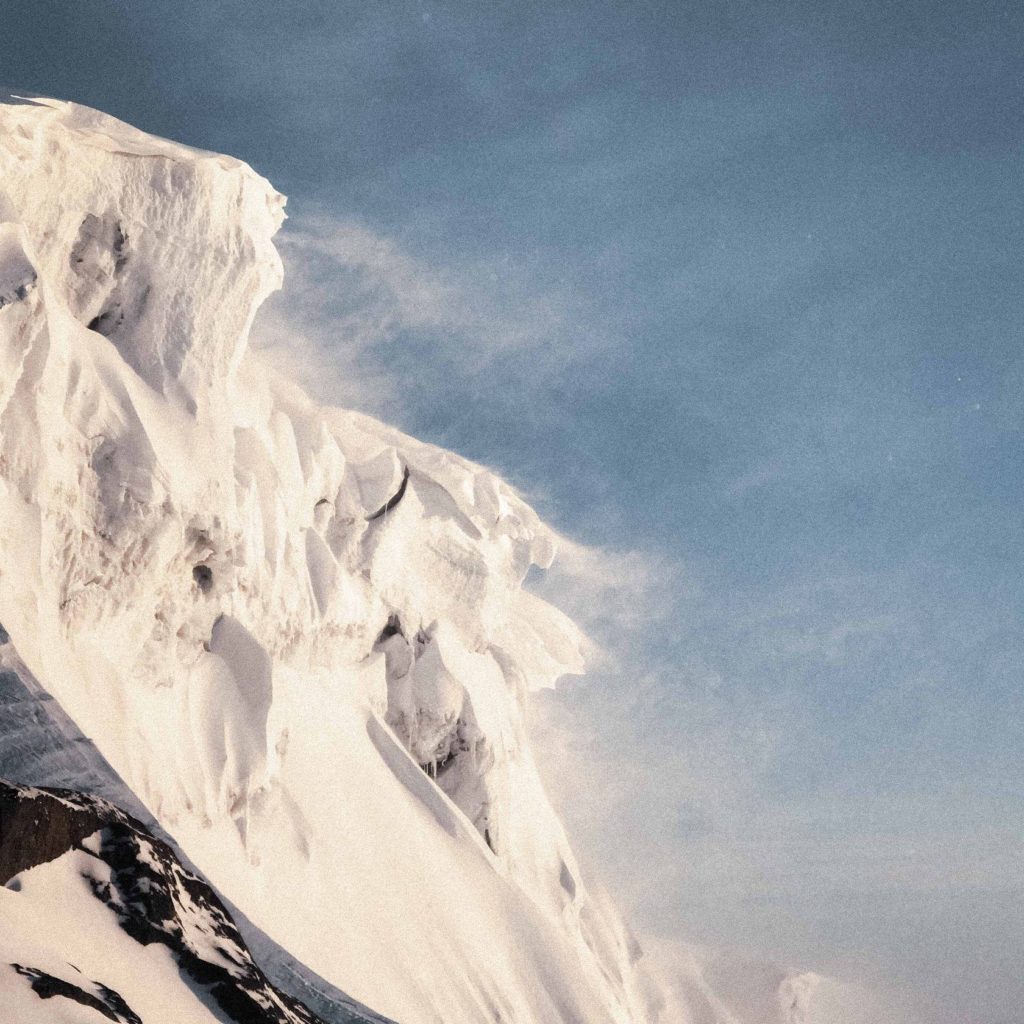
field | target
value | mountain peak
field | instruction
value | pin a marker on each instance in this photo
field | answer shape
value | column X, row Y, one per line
column 163, row 249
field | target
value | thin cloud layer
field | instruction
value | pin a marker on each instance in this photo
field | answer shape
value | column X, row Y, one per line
column 362, row 321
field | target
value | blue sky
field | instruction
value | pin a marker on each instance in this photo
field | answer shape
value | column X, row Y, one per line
column 732, row 291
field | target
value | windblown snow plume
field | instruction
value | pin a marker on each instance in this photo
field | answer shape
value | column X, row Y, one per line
column 297, row 635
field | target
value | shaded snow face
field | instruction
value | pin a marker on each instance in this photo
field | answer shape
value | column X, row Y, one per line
column 299, row 636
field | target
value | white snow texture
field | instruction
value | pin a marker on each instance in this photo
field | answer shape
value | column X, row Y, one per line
column 297, row 634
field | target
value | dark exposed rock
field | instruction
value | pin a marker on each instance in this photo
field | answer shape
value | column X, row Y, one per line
column 34, row 831
column 154, row 898
column 41, row 746
column 106, row 1002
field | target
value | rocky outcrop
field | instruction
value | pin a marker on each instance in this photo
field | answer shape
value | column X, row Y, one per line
column 34, row 831
column 152, row 896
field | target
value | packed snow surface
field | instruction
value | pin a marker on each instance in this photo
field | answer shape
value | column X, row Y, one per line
column 299, row 636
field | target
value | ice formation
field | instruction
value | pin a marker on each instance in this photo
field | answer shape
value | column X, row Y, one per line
column 297, row 635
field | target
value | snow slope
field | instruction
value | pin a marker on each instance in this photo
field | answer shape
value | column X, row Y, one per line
column 297, row 635
column 41, row 746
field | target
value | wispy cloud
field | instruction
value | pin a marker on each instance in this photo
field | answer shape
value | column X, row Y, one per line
column 620, row 598
column 363, row 321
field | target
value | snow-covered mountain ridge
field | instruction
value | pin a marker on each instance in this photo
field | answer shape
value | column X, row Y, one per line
column 297, row 635
column 271, row 618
